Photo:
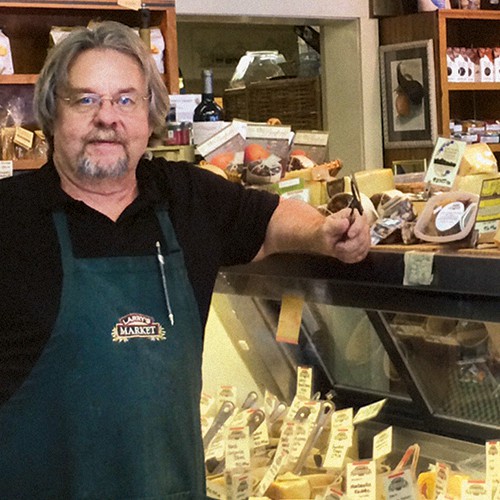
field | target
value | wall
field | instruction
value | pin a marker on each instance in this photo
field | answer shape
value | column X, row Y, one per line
column 351, row 99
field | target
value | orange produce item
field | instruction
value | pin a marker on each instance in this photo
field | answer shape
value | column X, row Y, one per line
column 222, row 160
column 255, row 152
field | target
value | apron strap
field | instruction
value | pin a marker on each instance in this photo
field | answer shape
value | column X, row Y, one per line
column 167, row 230
column 61, row 223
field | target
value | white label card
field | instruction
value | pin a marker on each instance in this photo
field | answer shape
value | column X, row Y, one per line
column 442, row 477
column 476, row 490
column 304, row 382
column 493, row 464
column 368, row 412
column 400, row 486
column 445, row 162
column 6, row 168
column 361, row 480
column 238, row 447
column 382, row 443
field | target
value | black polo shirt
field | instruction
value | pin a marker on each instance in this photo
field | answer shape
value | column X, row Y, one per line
column 216, row 222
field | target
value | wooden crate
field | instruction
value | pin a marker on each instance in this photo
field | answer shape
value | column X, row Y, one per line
column 295, row 101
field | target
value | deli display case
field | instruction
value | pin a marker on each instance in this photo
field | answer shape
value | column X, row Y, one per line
column 432, row 350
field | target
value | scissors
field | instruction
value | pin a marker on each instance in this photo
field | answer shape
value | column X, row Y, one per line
column 355, row 202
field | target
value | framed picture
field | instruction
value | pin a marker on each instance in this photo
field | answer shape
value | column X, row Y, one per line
column 408, row 94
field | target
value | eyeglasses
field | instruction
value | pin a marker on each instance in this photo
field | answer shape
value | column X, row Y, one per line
column 84, row 102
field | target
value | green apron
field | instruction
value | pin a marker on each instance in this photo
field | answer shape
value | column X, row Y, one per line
column 111, row 408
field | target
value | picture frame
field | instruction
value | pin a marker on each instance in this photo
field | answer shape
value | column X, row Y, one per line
column 408, row 94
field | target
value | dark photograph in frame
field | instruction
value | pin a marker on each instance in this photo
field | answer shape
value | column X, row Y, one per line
column 408, row 94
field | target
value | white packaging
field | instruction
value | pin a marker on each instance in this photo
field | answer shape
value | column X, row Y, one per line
column 462, row 65
column 486, row 69
column 496, row 63
column 451, row 65
column 6, row 65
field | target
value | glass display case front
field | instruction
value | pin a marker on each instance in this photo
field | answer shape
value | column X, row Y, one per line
column 432, row 351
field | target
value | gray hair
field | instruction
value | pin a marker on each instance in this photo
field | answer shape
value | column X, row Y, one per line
column 104, row 35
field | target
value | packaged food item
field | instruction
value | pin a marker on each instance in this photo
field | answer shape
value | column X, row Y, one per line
column 485, row 69
column 310, row 144
column 266, row 152
column 226, row 148
column 447, row 217
column 478, row 159
column 6, row 65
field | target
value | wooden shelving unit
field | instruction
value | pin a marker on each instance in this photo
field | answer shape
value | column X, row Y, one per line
column 28, row 27
column 449, row 28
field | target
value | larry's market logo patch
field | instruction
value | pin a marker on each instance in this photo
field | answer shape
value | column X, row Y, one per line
column 137, row 326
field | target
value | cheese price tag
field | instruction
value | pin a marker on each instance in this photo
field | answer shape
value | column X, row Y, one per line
column 493, row 464
column 130, row 4
column 304, row 382
column 238, row 484
column 445, row 162
column 290, row 319
column 473, row 489
column 271, row 473
column 23, row 138
column 342, row 418
column 6, row 169
column 442, row 477
column 226, row 393
column 368, row 412
column 338, row 444
column 488, row 213
column 333, row 494
column 361, row 480
column 400, row 486
column 382, row 443
column 237, row 447
column 206, row 403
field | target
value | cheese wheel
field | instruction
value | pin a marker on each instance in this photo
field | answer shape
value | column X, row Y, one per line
column 375, row 181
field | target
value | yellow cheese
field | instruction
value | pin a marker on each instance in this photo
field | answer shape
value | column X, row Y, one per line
column 471, row 183
column 289, row 486
column 375, row 181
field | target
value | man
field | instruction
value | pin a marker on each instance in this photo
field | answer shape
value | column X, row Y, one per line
column 109, row 263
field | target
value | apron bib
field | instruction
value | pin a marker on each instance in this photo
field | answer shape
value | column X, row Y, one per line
column 111, row 408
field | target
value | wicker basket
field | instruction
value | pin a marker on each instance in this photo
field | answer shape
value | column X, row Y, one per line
column 295, row 101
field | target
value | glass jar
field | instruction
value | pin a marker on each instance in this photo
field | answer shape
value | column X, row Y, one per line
column 257, row 66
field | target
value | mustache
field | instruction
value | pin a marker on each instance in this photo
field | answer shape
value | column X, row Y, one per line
column 108, row 135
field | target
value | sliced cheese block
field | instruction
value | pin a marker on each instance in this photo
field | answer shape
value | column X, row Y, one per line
column 375, row 181
column 289, row 486
column 471, row 183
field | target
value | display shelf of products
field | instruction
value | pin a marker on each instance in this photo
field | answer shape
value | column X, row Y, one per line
column 433, row 350
column 459, row 101
column 28, row 28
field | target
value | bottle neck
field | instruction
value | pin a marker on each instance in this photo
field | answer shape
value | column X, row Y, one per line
column 208, row 84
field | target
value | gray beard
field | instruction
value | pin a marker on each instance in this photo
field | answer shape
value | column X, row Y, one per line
column 88, row 169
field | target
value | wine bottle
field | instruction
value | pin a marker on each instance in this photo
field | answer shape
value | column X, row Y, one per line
column 208, row 110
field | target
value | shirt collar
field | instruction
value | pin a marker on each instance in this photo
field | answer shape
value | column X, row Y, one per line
column 52, row 196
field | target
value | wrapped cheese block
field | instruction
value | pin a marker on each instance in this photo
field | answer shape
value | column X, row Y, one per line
column 289, row 486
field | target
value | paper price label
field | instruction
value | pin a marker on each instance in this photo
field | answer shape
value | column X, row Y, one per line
column 6, row 169
column 400, row 486
column 238, row 448
column 442, row 478
column 23, row 138
column 206, row 403
column 361, row 480
column 340, row 441
column 304, row 382
column 382, row 443
column 130, row 4
column 476, row 490
column 342, row 418
column 368, row 412
column 493, row 463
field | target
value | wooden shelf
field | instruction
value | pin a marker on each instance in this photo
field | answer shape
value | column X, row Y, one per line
column 95, row 4
column 459, row 101
column 28, row 164
column 473, row 86
column 18, row 79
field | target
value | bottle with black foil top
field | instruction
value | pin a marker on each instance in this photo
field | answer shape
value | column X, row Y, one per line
column 208, row 110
